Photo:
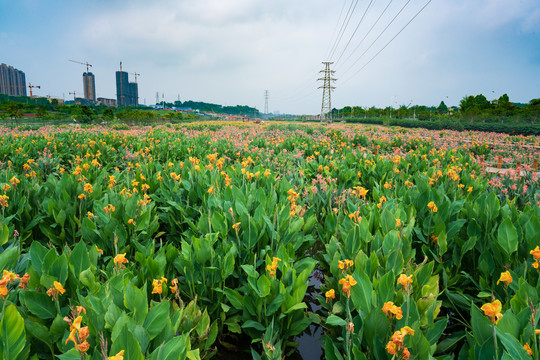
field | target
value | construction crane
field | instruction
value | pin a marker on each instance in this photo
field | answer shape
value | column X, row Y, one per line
column 74, row 93
column 30, row 86
column 86, row 82
column 134, row 73
column 83, row 63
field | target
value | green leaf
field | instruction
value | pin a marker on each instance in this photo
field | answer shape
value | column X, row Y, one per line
column 513, row 346
column 89, row 230
column 219, row 223
column 334, row 320
column 156, row 319
column 298, row 306
column 253, row 324
column 507, row 237
column 37, row 254
column 174, row 349
column 4, row 234
column 8, row 259
column 275, row 305
column 12, row 334
column 72, row 354
column 234, row 298
column 79, row 258
column 264, row 284
column 143, row 220
column 481, row 325
column 127, row 342
column 59, row 269
column 40, row 304
column 361, row 293
column 38, row 331
column 135, row 300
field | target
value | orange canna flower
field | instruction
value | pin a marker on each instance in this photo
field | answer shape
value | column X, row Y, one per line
column 405, row 281
column 535, row 253
column 55, row 290
column 506, row 277
column 493, row 311
column 528, row 348
column 119, row 356
column 392, row 310
column 120, row 259
column 330, row 294
column 431, row 206
column 174, row 287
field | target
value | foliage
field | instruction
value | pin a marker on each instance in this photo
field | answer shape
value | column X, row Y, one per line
column 165, row 241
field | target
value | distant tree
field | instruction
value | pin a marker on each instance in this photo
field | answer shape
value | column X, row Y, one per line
column 87, row 114
column 14, row 110
column 41, row 113
column 442, row 109
column 481, row 102
column 108, row 114
column 466, row 103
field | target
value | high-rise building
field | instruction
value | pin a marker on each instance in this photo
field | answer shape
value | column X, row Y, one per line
column 122, row 88
column 133, row 94
column 127, row 93
column 89, row 86
column 12, row 81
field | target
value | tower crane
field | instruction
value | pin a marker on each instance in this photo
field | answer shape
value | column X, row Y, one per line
column 74, row 93
column 87, row 82
column 30, row 86
column 83, row 63
column 135, row 74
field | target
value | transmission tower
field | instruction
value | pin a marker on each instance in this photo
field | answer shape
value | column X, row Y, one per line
column 266, row 102
column 326, row 108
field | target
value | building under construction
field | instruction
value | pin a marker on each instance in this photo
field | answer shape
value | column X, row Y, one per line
column 12, row 81
column 127, row 93
column 89, row 83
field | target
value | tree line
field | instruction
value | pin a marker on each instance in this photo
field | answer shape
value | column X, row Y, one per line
column 471, row 109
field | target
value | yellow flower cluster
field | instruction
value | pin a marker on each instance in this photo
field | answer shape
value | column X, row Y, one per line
column 157, row 285
column 55, row 290
column 272, row 267
column 396, row 346
column 8, row 277
column 392, row 310
column 493, row 311
column 77, row 333
column 347, row 283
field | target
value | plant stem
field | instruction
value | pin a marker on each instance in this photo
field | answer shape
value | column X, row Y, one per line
column 495, row 341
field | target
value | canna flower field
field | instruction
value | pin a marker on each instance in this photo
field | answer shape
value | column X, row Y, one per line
column 423, row 251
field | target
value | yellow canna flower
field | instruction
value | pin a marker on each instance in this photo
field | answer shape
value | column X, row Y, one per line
column 330, row 294
column 506, row 277
column 119, row 356
column 493, row 311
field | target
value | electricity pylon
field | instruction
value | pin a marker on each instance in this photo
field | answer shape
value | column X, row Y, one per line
column 326, row 108
column 266, row 102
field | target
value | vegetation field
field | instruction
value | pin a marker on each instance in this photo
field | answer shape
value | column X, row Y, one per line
column 183, row 241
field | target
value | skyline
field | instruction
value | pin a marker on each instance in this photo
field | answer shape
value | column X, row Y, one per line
column 230, row 52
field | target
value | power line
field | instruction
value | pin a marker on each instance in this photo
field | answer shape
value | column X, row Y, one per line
column 343, row 27
column 355, row 30
column 337, row 24
column 377, row 38
column 369, row 31
column 388, row 43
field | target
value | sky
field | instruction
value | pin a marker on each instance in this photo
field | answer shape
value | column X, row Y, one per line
column 228, row 52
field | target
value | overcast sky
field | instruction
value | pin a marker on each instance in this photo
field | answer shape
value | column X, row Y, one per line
column 230, row 51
